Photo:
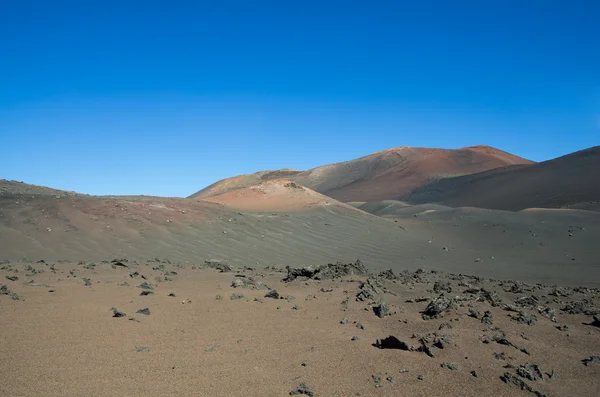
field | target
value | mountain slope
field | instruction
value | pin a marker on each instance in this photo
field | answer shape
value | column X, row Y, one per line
column 569, row 181
column 389, row 174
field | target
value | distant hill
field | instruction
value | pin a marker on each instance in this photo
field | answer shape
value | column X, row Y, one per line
column 389, row 174
column 569, row 181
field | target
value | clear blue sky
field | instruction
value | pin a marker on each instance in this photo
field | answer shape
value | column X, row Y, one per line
column 166, row 97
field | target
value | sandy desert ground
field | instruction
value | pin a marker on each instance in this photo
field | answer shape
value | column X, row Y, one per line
column 156, row 327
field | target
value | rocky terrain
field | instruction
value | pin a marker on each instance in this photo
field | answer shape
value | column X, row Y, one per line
column 158, row 327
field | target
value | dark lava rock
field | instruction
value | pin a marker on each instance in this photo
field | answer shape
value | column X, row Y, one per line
column 531, row 372
column 388, row 275
column 272, row 294
column 117, row 313
column 146, row 285
column 487, row 318
column 302, row 389
column 324, row 272
column 502, row 340
column 592, row 360
column 581, row 307
column 5, row 291
column 12, row 278
column 424, row 348
column 524, row 318
column 449, row 366
column 369, row 290
column 144, row 311
column 474, row 374
column 171, row 294
column 596, row 322
column 222, row 267
column 444, row 325
column 514, row 380
column 249, row 282
column 527, row 301
column 490, row 296
column 439, row 286
column 437, row 307
column 474, row 313
column 146, row 293
column 391, row 342
column 119, row 263
column 382, row 310
column 548, row 313
column 443, row 341
column 560, row 291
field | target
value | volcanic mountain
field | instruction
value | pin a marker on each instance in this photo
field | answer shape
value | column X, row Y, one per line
column 389, row 174
column 569, row 181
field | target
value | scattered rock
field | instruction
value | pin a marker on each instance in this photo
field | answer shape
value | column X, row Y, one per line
column 581, row 307
column 146, row 285
column 445, row 325
column 87, row 282
column 145, row 311
column 272, row 294
column 355, row 338
column 487, row 318
column 474, row 313
column 500, row 356
column 514, row 380
column 344, row 321
column 449, row 366
column 369, row 291
column 359, row 325
column 382, row 309
column 302, row 389
column 391, row 342
column 490, row 296
column 217, row 265
column 249, row 282
column 439, row 287
column 437, row 307
column 592, row 360
column 443, row 341
column 234, row 297
column 117, row 313
column 5, row 291
column 12, row 278
column 524, row 318
column 474, row 374
column 172, row 294
column 142, row 349
column 146, row 293
column 324, row 272
column 531, row 372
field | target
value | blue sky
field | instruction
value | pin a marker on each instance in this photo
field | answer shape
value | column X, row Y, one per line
column 164, row 98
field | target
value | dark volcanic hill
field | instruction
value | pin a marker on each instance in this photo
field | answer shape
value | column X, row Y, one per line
column 570, row 181
column 389, row 174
